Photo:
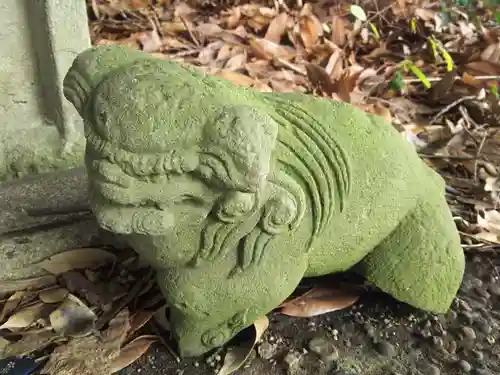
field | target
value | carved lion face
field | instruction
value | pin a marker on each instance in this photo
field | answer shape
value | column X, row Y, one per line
column 162, row 216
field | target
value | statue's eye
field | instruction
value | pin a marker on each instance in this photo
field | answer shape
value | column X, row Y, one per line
column 191, row 199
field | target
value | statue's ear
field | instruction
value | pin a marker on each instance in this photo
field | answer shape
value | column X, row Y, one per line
column 237, row 147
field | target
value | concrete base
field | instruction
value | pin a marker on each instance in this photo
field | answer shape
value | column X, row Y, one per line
column 41, row 216
column 39, row 129
column 38, row 150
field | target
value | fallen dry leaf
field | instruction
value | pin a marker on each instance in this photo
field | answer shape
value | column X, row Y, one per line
column 3, row 345
column 310, row 31
column 482, row 68
column 29, row 343
column 265, row 49
column 131, row 352
column 10, row 286
column 55, row 295
column 318, row 301
column 209, row 30
column 150, row 41
column 236, row 356
column 11, row 304
column 490, row 221
column 471, row 80
column 277, row 28
column 92, row 354
column 491, row 53
column 343, row 87
column 377, row 109
column 320, row 79
column 73, row 318
column 139, row 319
column 335, row 65
column 76, row 259
column 234, row 18
column 24, row 317
column 77, row 283
column 487, row 237
column 338, row 31
column 236, row 62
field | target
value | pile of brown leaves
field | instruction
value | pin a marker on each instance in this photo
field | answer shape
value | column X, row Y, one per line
column 85, row 317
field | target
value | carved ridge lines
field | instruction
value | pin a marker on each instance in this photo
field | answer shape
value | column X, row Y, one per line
column 339, row 161
column 334, row 153
column 325, row 151
column 322, row 160
column 303, row 171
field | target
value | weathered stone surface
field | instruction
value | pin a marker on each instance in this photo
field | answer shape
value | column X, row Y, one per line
column 235, row 195
column 41, row 216
column 39, row 129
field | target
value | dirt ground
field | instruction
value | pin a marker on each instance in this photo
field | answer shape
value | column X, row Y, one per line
column 376, row 336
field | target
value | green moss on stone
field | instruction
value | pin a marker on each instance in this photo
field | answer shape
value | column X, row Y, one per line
column 234, row 195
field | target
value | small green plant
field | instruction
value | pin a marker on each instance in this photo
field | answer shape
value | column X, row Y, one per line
column 397, row 82
column 439, row 51
column 360, row 14
column 407, row 65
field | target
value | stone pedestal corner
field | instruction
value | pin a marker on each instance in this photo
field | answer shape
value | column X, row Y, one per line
column 39, row 130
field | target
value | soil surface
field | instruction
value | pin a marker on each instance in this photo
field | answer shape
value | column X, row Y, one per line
column 376, row 336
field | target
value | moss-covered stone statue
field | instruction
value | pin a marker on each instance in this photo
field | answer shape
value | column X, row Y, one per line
column 235, row 195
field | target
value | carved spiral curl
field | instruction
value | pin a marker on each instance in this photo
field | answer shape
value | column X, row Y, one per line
column 279, row 214
column 235, row 205
column 151, row 222
column 143, row 165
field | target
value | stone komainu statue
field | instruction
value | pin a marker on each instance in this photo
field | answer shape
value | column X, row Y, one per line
column 235, row 195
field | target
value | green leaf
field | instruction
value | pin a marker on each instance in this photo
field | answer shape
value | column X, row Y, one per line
column 413, row 25
column 494, row 90
column 358, row 12
column 397, row 83
column 433, row 46
column 437, row 47
column 374, row 30
column 449, row 60
column 420, row 75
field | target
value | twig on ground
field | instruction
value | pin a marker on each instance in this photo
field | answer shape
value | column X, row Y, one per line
column 450, row 106
column 451, row 157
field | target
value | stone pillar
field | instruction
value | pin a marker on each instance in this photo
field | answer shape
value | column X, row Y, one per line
column 39, row 130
